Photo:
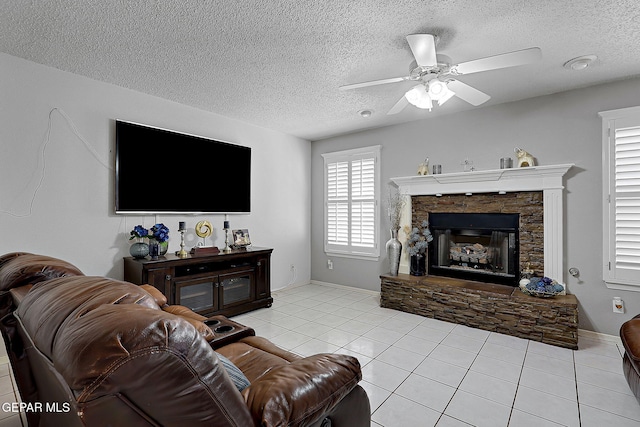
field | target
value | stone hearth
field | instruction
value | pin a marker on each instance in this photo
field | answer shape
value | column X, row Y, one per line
column 496, row 308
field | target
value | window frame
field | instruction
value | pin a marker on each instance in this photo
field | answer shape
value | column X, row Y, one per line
column 350, row 250
column 615, row 277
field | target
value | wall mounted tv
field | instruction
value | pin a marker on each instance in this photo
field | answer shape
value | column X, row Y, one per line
column 159, row 171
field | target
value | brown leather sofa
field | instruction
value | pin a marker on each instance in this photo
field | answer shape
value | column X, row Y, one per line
column 630, row 335
column 95, row 351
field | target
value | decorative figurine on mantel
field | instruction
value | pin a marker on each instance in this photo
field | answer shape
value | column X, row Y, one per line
column 423, row 168
column 467, row 165
column 524, row 159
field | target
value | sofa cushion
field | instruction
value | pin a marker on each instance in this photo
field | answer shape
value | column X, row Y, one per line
column 298, row 393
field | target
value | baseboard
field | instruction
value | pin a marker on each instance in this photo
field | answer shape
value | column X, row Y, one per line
column 597, row 336
column 350, row 288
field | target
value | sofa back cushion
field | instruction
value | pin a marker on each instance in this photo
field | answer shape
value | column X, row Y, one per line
column 49, row 305
column 20, row 268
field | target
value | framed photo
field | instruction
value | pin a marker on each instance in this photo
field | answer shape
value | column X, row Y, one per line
column 241, row 237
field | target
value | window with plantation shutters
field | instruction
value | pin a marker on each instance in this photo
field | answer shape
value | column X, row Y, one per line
column 351, row 202
column 621, row 177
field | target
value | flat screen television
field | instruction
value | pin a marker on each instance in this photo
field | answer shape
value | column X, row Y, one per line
column 159, row 171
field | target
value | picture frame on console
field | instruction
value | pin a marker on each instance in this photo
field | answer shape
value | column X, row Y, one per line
column 241, row 238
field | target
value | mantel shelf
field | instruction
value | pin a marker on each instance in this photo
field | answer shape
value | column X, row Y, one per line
column 534, row 178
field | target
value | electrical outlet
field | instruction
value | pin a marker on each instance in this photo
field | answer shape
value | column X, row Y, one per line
column 618, row 305
column 330, row 264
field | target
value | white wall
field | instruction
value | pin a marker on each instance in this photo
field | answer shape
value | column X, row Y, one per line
column 57, row 185
column 559, row 128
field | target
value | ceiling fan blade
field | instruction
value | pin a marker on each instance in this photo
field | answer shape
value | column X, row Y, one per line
column 373, row 83
column 467, row 93
column 399, row 106
column 512, row 59
column 423, row 47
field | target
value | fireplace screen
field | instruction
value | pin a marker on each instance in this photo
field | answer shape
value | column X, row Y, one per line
column 475, row 246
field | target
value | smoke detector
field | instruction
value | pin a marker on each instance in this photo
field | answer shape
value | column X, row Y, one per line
column 580, row 63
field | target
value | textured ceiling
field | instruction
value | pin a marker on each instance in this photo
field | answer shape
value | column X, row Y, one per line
column 278, row 64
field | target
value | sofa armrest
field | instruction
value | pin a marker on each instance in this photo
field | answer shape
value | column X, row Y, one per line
column 158, row 296
column 194, row 318
column 299, row 393
column 630, row 335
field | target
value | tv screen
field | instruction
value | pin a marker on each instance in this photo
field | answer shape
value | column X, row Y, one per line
column 159, row 171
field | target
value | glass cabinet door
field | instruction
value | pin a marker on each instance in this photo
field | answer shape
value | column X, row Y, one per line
column 197, row 294
column 236, row 288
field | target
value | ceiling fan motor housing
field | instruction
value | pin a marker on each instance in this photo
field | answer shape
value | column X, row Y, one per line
column 426, row 73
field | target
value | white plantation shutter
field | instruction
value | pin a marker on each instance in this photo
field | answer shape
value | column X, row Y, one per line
column 351, row 199
column 338, row 203
column 622, row 191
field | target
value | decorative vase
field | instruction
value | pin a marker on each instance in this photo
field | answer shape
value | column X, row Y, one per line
column 417, row 266
column 394, row 250
column 164, row 247
column 154, row 248
column 139, row 249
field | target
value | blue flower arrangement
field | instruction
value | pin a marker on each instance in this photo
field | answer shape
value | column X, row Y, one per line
column 160, row 232
column 139, row 232
column 541, row 286
column 419, row 239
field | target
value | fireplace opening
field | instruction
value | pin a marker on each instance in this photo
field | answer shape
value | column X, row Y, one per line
column 475, row 246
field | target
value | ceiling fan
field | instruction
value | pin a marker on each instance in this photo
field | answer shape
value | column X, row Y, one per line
column 437, row 76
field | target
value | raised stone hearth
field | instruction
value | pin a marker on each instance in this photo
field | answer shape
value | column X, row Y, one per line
column 496, row 308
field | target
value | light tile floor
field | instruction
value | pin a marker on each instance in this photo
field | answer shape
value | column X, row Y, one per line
column 8, row 392
column 424, row 372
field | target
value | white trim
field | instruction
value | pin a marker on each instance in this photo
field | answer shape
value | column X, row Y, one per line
column 352, row 255
column 532, row 178
column 597, row 336
column 345, row 287
column 614, row 277
column 368, row 254
column 619, row 113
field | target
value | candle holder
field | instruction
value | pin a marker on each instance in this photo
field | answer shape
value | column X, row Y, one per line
column 182, row 253
column 226, row 240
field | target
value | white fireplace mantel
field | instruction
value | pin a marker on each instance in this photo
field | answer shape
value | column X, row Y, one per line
column 548, row 179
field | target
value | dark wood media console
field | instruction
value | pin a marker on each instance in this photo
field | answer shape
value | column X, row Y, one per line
column 215, row 284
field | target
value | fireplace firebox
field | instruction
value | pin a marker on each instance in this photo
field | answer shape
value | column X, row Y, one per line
column 475, row 246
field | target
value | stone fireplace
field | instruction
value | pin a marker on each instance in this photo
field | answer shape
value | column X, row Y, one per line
column 535, row 193
column 480, row 288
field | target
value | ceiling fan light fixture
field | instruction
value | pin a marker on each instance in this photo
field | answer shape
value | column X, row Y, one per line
column 437, row 89
column 419, row 97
